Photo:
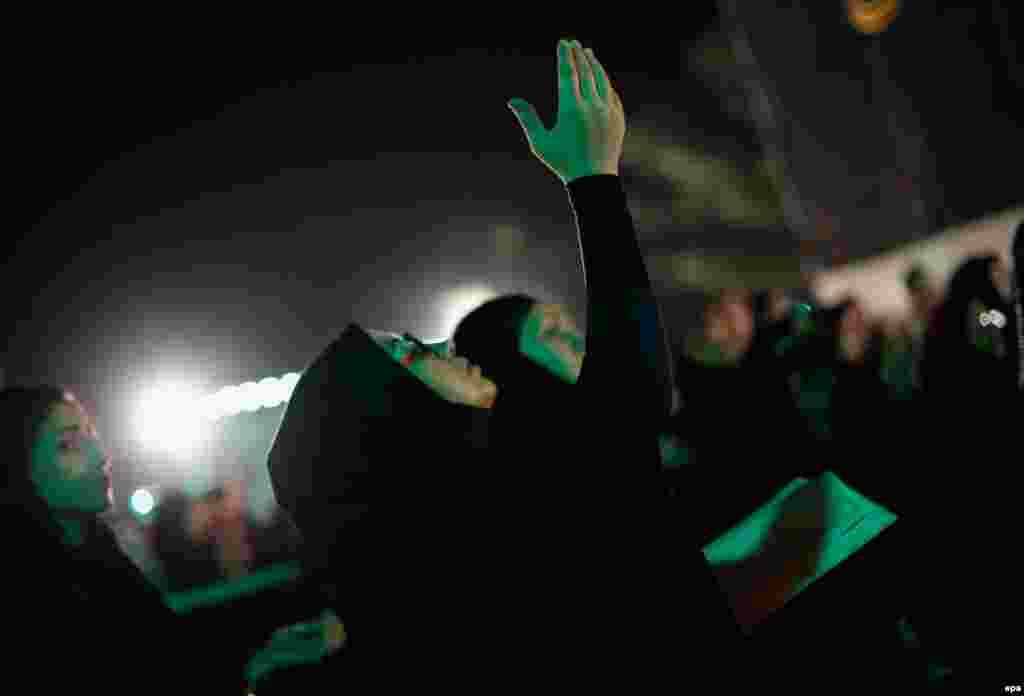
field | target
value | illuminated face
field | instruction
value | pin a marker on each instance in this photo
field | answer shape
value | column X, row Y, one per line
column 451, row 377
column 853, row 333
column 550, row 339
column 69, row 468
column 740, row 318
column 1001, row 279
column 853, row 322
column 778, row 305
column 923, row 299
column 730, row 325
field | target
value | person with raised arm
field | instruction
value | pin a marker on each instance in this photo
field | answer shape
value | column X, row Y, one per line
column 625, row 591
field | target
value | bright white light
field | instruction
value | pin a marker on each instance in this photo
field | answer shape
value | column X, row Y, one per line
column 174, row 417
column 269, row 393
column 249, row 397
column 288, row 382
column 458, row 302
column 142, row 501
column 169, row 417
column 230, row 400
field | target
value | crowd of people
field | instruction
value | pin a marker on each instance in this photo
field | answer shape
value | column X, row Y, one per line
column 544, row 497
column 772, row 390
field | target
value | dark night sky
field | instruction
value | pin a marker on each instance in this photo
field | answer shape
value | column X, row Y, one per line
column 223, row 220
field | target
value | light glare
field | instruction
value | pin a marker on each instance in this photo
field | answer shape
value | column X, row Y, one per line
column 142, row 501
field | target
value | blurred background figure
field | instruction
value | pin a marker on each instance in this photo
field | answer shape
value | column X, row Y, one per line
column 202, row 539
column 738, row 417
column 184, row 542
column 774, row 320
column 966, row 352
column 898, row 358
column 728, row 328
column 924, row 297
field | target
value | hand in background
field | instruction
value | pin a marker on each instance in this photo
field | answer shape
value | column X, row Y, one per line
column 298, row 644
column 591, row 124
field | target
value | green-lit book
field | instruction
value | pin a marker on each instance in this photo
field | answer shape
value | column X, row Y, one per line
column 807, row 529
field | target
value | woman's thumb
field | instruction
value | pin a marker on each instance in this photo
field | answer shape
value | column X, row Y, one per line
column 527, row 116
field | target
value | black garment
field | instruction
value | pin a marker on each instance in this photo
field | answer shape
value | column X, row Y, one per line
column 467, row 579
column 954, row 366
column 868, row 427
column 623, row 571
column 275, row 540
column 970, row 419
column 86, row 620
column 408, row 584
column 748, row 438
column 743, row 420
column 1018, row 300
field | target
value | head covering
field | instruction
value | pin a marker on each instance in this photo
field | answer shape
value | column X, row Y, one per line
column 355, row 407
column 951, row 359
column 489, row 337
column 360, row 426
column 761, row 305
column 973, row 281
column 533, row 404
column 833, row 316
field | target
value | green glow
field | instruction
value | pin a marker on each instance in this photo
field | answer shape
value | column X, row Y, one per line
column 819, row 523
column 221, row 592
column 556, row 350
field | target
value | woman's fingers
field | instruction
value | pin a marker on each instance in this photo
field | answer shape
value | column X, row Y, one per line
column 603, row 84
column 588, row 86
column 568, row 76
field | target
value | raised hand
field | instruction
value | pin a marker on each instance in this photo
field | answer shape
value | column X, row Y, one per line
column 590, row 126
column 298, row 644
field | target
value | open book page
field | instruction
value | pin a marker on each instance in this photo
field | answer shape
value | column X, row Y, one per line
column 805, row 530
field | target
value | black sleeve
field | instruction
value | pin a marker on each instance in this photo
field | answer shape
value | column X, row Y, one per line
column 319, row 471
column 628, row 384
column 627, row 358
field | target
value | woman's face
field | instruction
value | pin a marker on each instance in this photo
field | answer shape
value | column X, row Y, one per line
column 853, row 334
column 730, row 325
column 69, row 467
column 551, row 339
column 454, row 379
column 451, row 377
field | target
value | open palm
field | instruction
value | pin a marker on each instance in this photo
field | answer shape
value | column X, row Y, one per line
column 591, row 124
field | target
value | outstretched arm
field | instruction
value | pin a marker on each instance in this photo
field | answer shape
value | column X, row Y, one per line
column 627, row 362
column 626, row 373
